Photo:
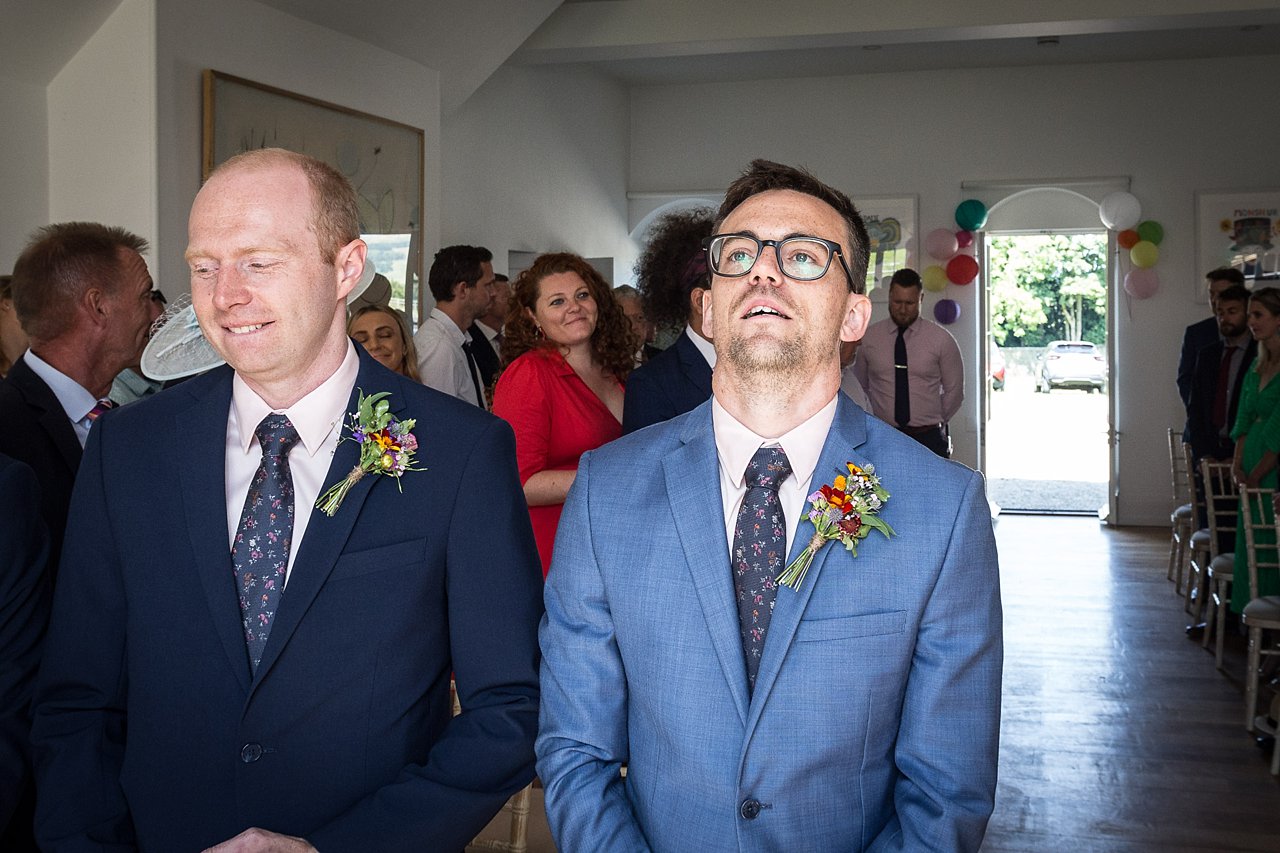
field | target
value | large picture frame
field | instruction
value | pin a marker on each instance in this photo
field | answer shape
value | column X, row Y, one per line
column 382, row 158
column 1237, row 228
column 892, row 228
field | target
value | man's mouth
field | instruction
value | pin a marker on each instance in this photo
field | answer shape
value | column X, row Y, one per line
column 764, row 311
column 244, row 330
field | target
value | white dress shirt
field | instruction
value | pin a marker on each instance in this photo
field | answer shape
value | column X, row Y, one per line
column 75, row 400
column 442, row 364
column 316, row 417
column 736, row 444
column 935, row 371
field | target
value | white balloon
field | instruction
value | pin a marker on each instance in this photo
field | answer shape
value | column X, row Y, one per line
column 1120, row 211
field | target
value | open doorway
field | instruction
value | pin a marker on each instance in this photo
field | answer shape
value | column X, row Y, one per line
column 1048, row 423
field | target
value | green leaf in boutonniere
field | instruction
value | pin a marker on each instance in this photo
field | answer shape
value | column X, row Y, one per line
column 386, row 447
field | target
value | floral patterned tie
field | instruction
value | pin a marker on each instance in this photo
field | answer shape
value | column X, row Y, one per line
column 260, row 553
column 759, row 550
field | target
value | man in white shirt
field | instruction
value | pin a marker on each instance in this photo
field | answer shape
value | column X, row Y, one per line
column 855, row 709
column 461, row 279
column 231, row 666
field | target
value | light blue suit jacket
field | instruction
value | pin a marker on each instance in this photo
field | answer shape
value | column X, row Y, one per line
column 874, row 724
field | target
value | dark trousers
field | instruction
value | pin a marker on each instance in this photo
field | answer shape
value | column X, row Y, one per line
column 936, row 438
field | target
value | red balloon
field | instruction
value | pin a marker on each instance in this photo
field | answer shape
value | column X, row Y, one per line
column 1128, row 238
column 962, row 269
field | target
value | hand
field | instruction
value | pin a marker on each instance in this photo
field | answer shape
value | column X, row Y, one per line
column 260, row 841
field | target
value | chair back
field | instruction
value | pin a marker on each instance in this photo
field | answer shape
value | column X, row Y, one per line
column 1178, row 468
column 1196, row 498
column 1221, row 501
column 1259, row 533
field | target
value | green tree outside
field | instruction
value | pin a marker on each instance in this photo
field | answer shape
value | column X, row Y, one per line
column 1048, row 287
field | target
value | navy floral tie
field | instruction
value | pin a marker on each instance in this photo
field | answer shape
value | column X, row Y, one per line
column 260, row 553
column 759, row 550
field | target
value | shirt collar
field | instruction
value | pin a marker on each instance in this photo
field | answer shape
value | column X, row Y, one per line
column 458, row 336
column 704, row 346
column 736, row 444
column 315, row 416
column 489, row 333
column 75, row 400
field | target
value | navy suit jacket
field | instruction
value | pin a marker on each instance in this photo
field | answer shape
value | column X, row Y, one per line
column 876, row 711
column 34, row 429
column 1195, row 338
column 671, row 383
column 151, row 732
column 1204, row 389
column 24, row 611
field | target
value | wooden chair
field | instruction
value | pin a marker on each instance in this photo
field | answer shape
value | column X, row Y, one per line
column 1182, row 519
column 1222, row 505
column 1196, row 549
column 516, row 808
column 1261, row 613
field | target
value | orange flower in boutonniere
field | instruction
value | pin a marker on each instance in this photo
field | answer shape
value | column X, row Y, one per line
column 845, row 511
column 386, row 447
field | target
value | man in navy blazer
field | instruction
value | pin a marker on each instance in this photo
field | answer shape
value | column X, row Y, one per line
column 1209, row 437
column 856, row 711
column 672, row 278
column 1199, row 335
column 155, row 727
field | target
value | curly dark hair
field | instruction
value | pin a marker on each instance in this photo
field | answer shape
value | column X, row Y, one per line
column 613, row 344
column 673, row 264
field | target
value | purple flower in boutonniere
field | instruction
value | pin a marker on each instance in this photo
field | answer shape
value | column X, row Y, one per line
column 386, row 447
column 846, row 511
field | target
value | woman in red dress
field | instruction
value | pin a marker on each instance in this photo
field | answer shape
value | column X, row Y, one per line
column 568, row 348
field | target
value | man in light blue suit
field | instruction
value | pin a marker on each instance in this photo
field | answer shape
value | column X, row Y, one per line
column 858, row 710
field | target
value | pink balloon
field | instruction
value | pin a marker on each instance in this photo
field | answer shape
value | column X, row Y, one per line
column 1142, row 283
column 941, row 244
column 964, row 238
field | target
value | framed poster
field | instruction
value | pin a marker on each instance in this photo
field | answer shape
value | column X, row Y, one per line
column 891, row 225
column 1238, row 229
column 382, row 158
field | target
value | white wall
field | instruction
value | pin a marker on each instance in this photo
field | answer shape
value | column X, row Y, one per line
column 1174, row 127
column 536, row 161
column 24, row 170
column 259, row 43
column 102, row 125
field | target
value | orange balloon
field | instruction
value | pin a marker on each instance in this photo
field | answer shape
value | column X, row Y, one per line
column 1128, row 238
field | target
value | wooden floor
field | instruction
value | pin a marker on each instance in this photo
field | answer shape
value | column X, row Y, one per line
column 1118, row 733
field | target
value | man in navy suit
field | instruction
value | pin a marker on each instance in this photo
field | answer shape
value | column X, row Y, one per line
column 672, row 277
column 856, row 710
column 1211, row 410
column 1200, row 334
column 184, row 701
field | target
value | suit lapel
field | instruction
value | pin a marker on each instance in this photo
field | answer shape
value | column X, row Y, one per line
column 848, row 432
column 693, row 487
column 204, row 426
column 325, row 537
column 52, row 417
column 693, row 365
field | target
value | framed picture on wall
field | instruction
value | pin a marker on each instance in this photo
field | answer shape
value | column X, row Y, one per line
column 382, row 158
column 891, row 225
column 1238, row 229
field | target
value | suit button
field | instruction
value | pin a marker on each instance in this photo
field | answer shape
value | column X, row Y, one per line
column 750, row 809
column 251, row 753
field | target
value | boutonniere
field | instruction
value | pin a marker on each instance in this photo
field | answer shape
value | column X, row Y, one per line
column 386, row 447
column 845, row 511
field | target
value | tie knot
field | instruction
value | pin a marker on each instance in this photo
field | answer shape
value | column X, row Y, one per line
column 276, row 435
column 103, row 405
column 767, row 468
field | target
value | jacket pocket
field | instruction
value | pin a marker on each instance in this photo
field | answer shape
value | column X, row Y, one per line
column 845, row 627
column 379, row 559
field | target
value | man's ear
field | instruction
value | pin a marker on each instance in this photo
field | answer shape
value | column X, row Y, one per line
column 94, row 304
column 457, row 289
column 350, row 262
column 857, row 315
column 707, row 330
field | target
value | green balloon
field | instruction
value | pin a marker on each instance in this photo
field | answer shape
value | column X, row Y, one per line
column 1151, row 231
column 971, row 215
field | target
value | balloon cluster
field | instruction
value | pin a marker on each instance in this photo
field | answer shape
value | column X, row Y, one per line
column 1122, row 213
column 954, row 251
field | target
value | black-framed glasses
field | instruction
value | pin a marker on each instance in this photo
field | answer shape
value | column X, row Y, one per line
column 799, row 258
